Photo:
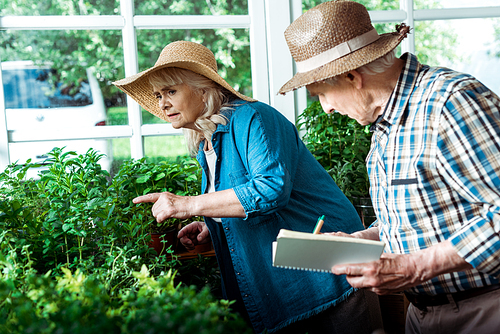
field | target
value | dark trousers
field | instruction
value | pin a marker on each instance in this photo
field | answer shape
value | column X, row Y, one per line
column 358, row 314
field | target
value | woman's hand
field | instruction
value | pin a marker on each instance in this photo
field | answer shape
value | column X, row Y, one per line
column 220, row 204
column 194, row 234
column 167, row 205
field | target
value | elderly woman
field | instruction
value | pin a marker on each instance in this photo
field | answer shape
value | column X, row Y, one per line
column 258, row 177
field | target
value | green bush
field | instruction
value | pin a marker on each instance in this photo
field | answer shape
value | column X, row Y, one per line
column 75, row 254
column 340, row 144
column 79, row 304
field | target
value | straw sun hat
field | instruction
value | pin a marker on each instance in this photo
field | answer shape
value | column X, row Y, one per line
column 335, row 37
column 181, row 54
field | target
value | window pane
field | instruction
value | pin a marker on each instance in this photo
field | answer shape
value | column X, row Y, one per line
column 59, row 80
column 28, row 86
column 473, row 51
column 192, row 7
column 369, row 4
column 67, row 7
column 169, row 148
column 430, row 4
column 121, row 152
column 230, row 46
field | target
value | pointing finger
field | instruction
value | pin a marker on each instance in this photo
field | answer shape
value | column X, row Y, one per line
column 149, row 198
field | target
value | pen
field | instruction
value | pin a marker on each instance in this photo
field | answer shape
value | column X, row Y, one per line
column 319, row 224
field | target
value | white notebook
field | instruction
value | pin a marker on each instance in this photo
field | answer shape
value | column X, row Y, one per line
column 320, row 252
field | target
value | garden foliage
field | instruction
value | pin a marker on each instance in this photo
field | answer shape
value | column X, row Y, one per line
column 340, row 144
column 75, row 255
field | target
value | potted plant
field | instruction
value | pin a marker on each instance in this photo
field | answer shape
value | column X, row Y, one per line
column 340, row 144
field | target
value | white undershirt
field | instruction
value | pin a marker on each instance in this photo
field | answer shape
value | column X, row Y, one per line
column 211, row 159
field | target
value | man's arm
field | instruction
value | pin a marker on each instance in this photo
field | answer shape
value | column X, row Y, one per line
column 398, row 272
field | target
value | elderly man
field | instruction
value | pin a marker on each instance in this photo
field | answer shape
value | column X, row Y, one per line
column 434, row 166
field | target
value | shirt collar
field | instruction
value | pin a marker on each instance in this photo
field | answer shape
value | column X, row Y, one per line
column 394, row 110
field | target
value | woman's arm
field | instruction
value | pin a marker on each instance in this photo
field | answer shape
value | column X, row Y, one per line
column 219, row 204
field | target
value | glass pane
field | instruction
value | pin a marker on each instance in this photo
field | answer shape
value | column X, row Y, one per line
column 66, row 7
column 230, row 46
column 434, row 42
column 473, row 51
column 161, row 148
column 28, row 86
column 56, row 80
column 121, row 152
column 192, row 7
column 431, row 4
column 369, row 4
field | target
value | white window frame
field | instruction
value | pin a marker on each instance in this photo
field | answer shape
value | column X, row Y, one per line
column 271, row 63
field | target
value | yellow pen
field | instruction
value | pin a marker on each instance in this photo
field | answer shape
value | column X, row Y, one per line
column 319, row 224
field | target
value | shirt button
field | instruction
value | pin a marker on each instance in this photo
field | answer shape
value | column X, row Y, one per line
column 227, row 228
column 237, row 273
column 232, row 249
column 246, row 295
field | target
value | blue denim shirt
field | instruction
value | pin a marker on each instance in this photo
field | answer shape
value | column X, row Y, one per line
column 280, row 185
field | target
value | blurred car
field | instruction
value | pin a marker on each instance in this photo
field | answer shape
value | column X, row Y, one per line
column 35, row 101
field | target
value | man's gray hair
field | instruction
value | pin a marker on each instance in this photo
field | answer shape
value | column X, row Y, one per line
column 379, row 65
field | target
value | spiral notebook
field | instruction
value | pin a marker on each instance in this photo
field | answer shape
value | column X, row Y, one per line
column 320, row 252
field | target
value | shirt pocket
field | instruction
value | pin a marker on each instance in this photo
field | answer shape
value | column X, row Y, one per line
column 406, row 178
column 404, row 191
column 402, row 182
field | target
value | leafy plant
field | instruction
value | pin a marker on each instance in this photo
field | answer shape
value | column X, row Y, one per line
column 73, row 217
column 76, row 303
column 340, row 144
column 201, row 272
column 75, row 254
column 139, row 177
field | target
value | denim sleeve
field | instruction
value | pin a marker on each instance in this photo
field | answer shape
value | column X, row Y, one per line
column 267, row 145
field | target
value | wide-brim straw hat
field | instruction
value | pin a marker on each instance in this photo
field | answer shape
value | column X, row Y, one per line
column 333, row 38
column 181, row 54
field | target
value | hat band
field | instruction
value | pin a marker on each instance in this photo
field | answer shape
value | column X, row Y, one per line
column 337, row 51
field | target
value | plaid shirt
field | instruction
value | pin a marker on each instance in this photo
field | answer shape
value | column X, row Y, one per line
column 434, row 169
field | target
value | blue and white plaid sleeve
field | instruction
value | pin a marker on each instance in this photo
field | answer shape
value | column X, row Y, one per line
column 468, row 156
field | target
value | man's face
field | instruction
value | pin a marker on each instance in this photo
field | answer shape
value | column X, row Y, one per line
column 343, row 97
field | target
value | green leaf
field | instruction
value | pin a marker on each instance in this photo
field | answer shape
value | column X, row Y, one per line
column 143, row 179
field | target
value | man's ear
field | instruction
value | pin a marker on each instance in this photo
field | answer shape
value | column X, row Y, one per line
column 355, row 78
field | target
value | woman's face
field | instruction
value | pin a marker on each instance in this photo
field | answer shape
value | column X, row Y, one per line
column 181, row 104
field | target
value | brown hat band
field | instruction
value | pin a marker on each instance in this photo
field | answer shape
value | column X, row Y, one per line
column 337, row 51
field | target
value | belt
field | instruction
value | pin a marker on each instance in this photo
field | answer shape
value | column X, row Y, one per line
column 423, row 301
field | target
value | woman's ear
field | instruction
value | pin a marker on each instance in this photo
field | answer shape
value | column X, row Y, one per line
column 355, row 78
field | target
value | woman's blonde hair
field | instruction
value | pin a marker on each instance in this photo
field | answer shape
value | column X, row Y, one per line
column 216, row 99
